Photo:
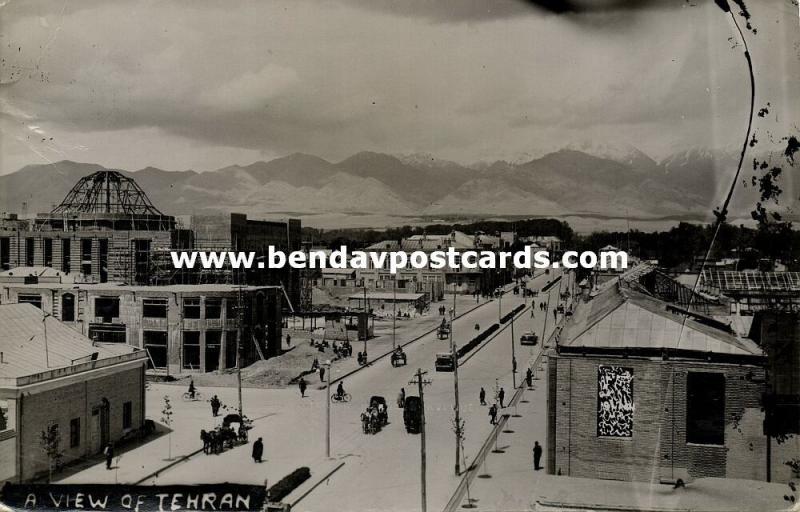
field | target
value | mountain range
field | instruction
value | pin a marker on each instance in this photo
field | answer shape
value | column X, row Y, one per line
column 578, row 180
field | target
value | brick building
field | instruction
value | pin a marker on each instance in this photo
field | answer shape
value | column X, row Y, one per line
column 640, row 391
column 54, row 379
column 183, row 328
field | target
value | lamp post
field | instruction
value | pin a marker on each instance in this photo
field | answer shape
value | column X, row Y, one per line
column 394, row 311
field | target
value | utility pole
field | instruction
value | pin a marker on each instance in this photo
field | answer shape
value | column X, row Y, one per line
column 366, row 320
column 457, row 406
column 499, row 304
column 420, row 382
column 513, row 357
column 239, row 348
column 394, row 311
column 328, row 415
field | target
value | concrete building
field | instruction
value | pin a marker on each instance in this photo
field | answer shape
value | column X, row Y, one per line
column 639, row 390
column 183, row 328
column 53, row 379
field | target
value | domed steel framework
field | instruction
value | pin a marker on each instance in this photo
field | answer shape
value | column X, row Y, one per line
column 106, row 192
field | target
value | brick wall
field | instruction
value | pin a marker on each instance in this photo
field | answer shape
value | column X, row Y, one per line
column 658, row 447
column 76, row 400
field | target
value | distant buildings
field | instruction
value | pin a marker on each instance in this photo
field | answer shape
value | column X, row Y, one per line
column 54, row 380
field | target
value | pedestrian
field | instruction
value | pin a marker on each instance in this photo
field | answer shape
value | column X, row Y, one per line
column 537, row 455
column 493, row 414
column 501, row 395
column 401, row 398
column 529, row 377
column 514, row 365
column 258, row 450
column 555, row 314
column 288, row 340
column 322, row 374
column 109, row 453
column 532, row 313
column 483, row 396
column 215, row 404
column 192, row 390
column 303, row 386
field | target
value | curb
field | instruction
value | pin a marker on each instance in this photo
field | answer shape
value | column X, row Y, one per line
column 182, row 458
column 496, row 334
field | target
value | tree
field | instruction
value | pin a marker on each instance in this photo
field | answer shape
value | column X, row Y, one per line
column 50, row 442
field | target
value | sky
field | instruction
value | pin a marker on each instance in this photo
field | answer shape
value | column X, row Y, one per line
column 202, row 85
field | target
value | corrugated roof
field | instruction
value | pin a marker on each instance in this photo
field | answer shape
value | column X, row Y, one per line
column 23, row 342
column 387, row 296
column 627, row 319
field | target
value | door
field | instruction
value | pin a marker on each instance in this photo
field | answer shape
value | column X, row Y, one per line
column 95, row 439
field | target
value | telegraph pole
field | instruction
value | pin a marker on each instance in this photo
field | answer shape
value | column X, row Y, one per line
column 394, row 311
column 239, row 349
column 513, row 357
column 420, row 382
column 456, row 407
column 328, row 416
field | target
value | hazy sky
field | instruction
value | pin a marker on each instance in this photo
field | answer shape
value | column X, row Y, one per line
column 200, row 85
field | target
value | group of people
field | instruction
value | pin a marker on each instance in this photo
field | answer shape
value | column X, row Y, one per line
column 501, row 397
column 362, row 358
column 371, row 418
column 343, row 349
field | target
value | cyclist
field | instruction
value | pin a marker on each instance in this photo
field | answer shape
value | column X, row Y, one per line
column 192, row 390
column 340, row 391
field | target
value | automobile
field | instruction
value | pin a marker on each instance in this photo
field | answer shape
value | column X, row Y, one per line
column 528, row 338
column 444, row 362
column 412, row 414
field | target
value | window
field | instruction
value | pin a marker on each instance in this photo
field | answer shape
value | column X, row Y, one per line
column 3, row 415
column 231, row 311
column 66, row 255
column 68, row 307
column 614, row 401
column 191, row 307
column 48, row 252
column 213, row 349
column 155, row 343
column 154, row 308
column 36, row 300
column 86, row 256
column 705, row 408
column 230, row 349
column 108, row 333
column 106, row 308
column 29, row 250
column 141, row 260
column 213, row 307
column 127, row 415
column 103, row 255
column 191, row 350
column 74, row 432
column 5, row 253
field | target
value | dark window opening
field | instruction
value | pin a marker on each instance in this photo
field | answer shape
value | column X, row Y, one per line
column 29, row 250
column 230, row 349
column 705, row 408
column 108, row 333
column 213, row 307
column 74, row 432
column 155, row 343
column 213, row 349
column 86, row 256
column 191, row 307
column 47, row 251
column 191, row 350
column 66, row 255
column 68, row 307
column 154, row 308
column 106, row 308
column 103, row 256
column 5, row 253
column 36, row 300
column 127, row 415
column 231, row 309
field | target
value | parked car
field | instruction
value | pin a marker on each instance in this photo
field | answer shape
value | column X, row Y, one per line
column 412, row 414
column 528, row 338
column 445, row 362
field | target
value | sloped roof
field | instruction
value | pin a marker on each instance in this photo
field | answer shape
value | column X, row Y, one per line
column 617, row 319
column 23, row 343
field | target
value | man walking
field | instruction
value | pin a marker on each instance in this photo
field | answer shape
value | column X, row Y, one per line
column 501, row 395
column 109, row 453
column 303, row 386
column 537, row 455
column 483, row 396
column 289, row 341
column 215, row 403
column 529, row 377
column 493, row 414
column 258, row 450
column 322, row 374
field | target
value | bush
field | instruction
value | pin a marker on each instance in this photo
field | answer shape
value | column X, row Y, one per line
column 288, row 483
column 511, row 315
column 464, row 349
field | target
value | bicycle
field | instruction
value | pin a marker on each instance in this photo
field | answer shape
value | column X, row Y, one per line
column 198, row 396
column 343, row 398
